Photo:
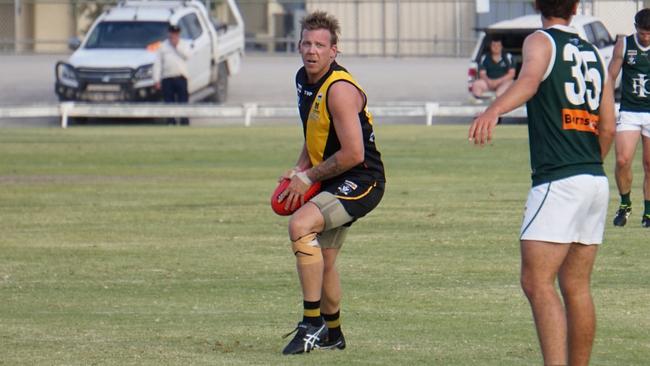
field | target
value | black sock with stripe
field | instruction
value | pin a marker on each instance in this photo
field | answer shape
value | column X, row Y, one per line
column 333, row 322
column 311, row 313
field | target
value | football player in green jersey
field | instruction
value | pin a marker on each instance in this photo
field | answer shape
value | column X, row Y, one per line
column 571, row 124
column 632, row 55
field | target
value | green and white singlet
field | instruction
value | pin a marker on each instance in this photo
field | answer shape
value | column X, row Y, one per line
column 563, row 115
column 635, row 89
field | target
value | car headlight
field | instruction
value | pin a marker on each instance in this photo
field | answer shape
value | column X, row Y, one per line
column 144, row 72
column 65, row 74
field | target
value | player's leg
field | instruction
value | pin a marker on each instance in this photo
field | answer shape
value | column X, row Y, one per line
column 331, row 292
column 303, row 226
column 332, row 240
column 645, row 221
column 479, row 87
column 337, row 221
column 626, row 142
column 574, row 276
column 540, row 263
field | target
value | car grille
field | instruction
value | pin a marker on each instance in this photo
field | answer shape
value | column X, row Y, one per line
column 105, row 75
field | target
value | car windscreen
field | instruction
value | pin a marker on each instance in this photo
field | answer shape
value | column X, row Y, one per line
column 126, row 34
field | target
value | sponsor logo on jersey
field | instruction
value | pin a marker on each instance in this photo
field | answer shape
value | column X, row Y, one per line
column 579, row 120
column 574, row 41
column 639, row 86
column 631, row 57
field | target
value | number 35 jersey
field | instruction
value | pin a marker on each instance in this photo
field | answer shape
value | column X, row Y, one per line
column 563, row 115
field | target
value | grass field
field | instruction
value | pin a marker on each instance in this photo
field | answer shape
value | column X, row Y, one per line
column 150, row 246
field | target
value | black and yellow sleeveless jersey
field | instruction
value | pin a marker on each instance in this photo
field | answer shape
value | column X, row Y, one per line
column 318, row 127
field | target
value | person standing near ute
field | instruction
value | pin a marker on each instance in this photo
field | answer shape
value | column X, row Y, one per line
column 571, row 126
column 340, row 152
column 496, row 70
column 170, row 70
column 632, row 54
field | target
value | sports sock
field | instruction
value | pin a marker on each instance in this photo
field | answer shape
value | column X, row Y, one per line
column 646, row 211
column 311, row 313
column 333, row 322
column 625, row 199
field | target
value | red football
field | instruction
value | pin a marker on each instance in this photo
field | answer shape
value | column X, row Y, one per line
column 278, row 207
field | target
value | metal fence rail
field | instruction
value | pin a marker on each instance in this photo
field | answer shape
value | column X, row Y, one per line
column 246, row 113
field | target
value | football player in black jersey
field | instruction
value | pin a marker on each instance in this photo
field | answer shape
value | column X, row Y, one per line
column 340, row 153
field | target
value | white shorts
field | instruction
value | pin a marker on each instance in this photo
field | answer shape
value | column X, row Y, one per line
column 634, row 121
column 569, row 210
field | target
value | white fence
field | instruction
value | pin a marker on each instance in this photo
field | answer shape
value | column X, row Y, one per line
column 246, row 113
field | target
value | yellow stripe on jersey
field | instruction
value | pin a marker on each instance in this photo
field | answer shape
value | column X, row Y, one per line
column 318, row 121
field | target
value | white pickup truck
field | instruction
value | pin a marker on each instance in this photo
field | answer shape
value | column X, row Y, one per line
column 114, row 63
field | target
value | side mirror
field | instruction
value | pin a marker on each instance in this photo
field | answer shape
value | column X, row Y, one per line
column 74, row 43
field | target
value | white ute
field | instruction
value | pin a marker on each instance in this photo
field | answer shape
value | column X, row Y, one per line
column 114, row 63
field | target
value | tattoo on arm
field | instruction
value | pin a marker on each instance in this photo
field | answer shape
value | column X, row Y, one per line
column 327, row 169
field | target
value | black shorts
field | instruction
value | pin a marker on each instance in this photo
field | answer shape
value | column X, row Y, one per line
column 357, row 197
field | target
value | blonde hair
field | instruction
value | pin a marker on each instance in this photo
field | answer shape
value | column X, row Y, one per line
column 321, row 20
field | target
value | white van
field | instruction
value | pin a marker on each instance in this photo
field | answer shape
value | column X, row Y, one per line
column 513, row 32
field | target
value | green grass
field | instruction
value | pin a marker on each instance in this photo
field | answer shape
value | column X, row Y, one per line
column 149, row 246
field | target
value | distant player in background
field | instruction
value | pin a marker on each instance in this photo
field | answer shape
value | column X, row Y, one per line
column 571, row 126
column 340, row 152
column 632, row 54
column 496, row 70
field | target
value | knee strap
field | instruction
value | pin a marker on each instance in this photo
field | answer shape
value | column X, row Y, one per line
column 307, row 250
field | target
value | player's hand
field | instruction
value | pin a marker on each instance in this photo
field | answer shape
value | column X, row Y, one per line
column 294, row 194
column 480, row 132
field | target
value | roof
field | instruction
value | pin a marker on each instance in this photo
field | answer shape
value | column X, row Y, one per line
column 148, row 10
column 535, row 22
column 133, row 13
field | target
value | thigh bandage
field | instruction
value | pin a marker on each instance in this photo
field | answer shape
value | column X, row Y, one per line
column 332, row 210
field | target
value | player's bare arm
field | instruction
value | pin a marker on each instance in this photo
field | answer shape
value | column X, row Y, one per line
column 536, row 52
column 607, row 118
column 344, row 102
column 616, row 63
